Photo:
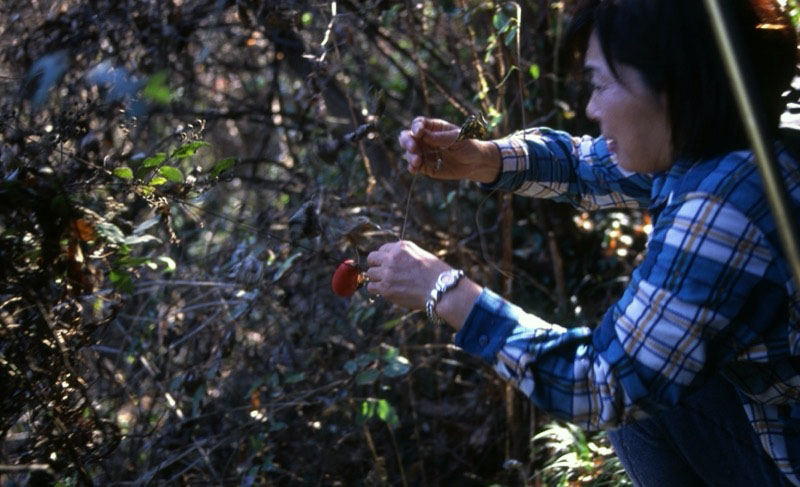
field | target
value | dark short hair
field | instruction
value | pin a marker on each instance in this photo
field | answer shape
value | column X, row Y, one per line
column 670, row 42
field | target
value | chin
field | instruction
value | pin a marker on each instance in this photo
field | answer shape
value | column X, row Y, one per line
column 625, row 164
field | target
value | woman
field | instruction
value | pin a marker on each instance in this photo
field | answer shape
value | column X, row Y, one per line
column 696, row 369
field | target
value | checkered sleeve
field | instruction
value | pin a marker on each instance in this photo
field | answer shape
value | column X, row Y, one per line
column 670, row 327
column 545, row 163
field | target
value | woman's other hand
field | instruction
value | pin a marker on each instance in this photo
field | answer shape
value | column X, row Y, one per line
column 430, row 147
column 404, row 274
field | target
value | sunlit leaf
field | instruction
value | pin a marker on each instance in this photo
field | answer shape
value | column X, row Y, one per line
column 397, row 368
column 110, row 232
column 535, row 71
column 190, row 149
column 171, row 173
column 387, row 412
column 169, row 264
column 451, row 196
column 158, row 181
column 123, row 173
column 142, row 227
column 285, row 266
column 155, row 160
column 368, row 408
column 140, row 239
column 500, row 20
column 390, row 354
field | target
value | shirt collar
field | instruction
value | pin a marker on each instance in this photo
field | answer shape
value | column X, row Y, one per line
column 665, row 183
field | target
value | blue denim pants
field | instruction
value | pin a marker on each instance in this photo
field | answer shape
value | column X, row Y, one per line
column 707, row 440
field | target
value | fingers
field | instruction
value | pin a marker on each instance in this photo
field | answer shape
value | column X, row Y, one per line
column 375, row 258
column 422, row 141
column 375, row 272
column 441, row 138
column 374, row 276
column 418, row 124
column 373, row 288
column 433, row 132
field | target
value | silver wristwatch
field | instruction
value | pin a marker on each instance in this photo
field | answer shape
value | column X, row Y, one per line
column 447, row 280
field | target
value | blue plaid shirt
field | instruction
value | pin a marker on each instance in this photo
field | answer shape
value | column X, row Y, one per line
column 713, row 294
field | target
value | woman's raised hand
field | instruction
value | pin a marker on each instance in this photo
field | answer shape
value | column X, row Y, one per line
column 430, row 147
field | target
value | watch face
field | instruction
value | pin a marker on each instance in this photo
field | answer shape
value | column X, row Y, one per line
column 448, row 279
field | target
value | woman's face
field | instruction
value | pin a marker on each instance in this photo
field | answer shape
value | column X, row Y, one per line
column 633, row 119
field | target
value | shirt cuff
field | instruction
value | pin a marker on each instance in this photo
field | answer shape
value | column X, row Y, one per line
column 513, row 161
column 487, row 327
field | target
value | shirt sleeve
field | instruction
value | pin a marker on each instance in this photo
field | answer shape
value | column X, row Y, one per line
column 672, row 325
column 545, row 163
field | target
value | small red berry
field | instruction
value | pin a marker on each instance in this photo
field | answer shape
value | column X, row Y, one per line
column 346, row 279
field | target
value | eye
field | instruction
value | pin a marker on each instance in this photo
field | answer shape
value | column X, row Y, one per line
column 597, row 87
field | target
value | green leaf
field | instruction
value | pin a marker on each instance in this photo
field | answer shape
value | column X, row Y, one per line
column 285, row 267
column 155, row 160
column 448, row 199
column 390, row 354
column 169, row 264
column 121, row 280
column 129, row 261
column 111, row 232
column 123, row 173
column 366, row 358
column 367, row 376
column 387, row 412
column 142, row 227
column 306, row 18
column 172, row 173
column 511, row 36
column 368, row 408
column 139, row 239
column 156, row 89
column 158, row 181
column 393, row 323
column 188, row 150
column 351, row 367
column 222, row 166
column 397, row 368
column 534, row 70
column 500, row 20
column 294, row 377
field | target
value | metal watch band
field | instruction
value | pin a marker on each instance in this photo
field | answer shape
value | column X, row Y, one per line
column 446, row 281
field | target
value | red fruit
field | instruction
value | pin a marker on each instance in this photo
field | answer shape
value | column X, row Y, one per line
column 346, row 279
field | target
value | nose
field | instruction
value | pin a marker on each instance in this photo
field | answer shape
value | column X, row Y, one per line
column 591, row 108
